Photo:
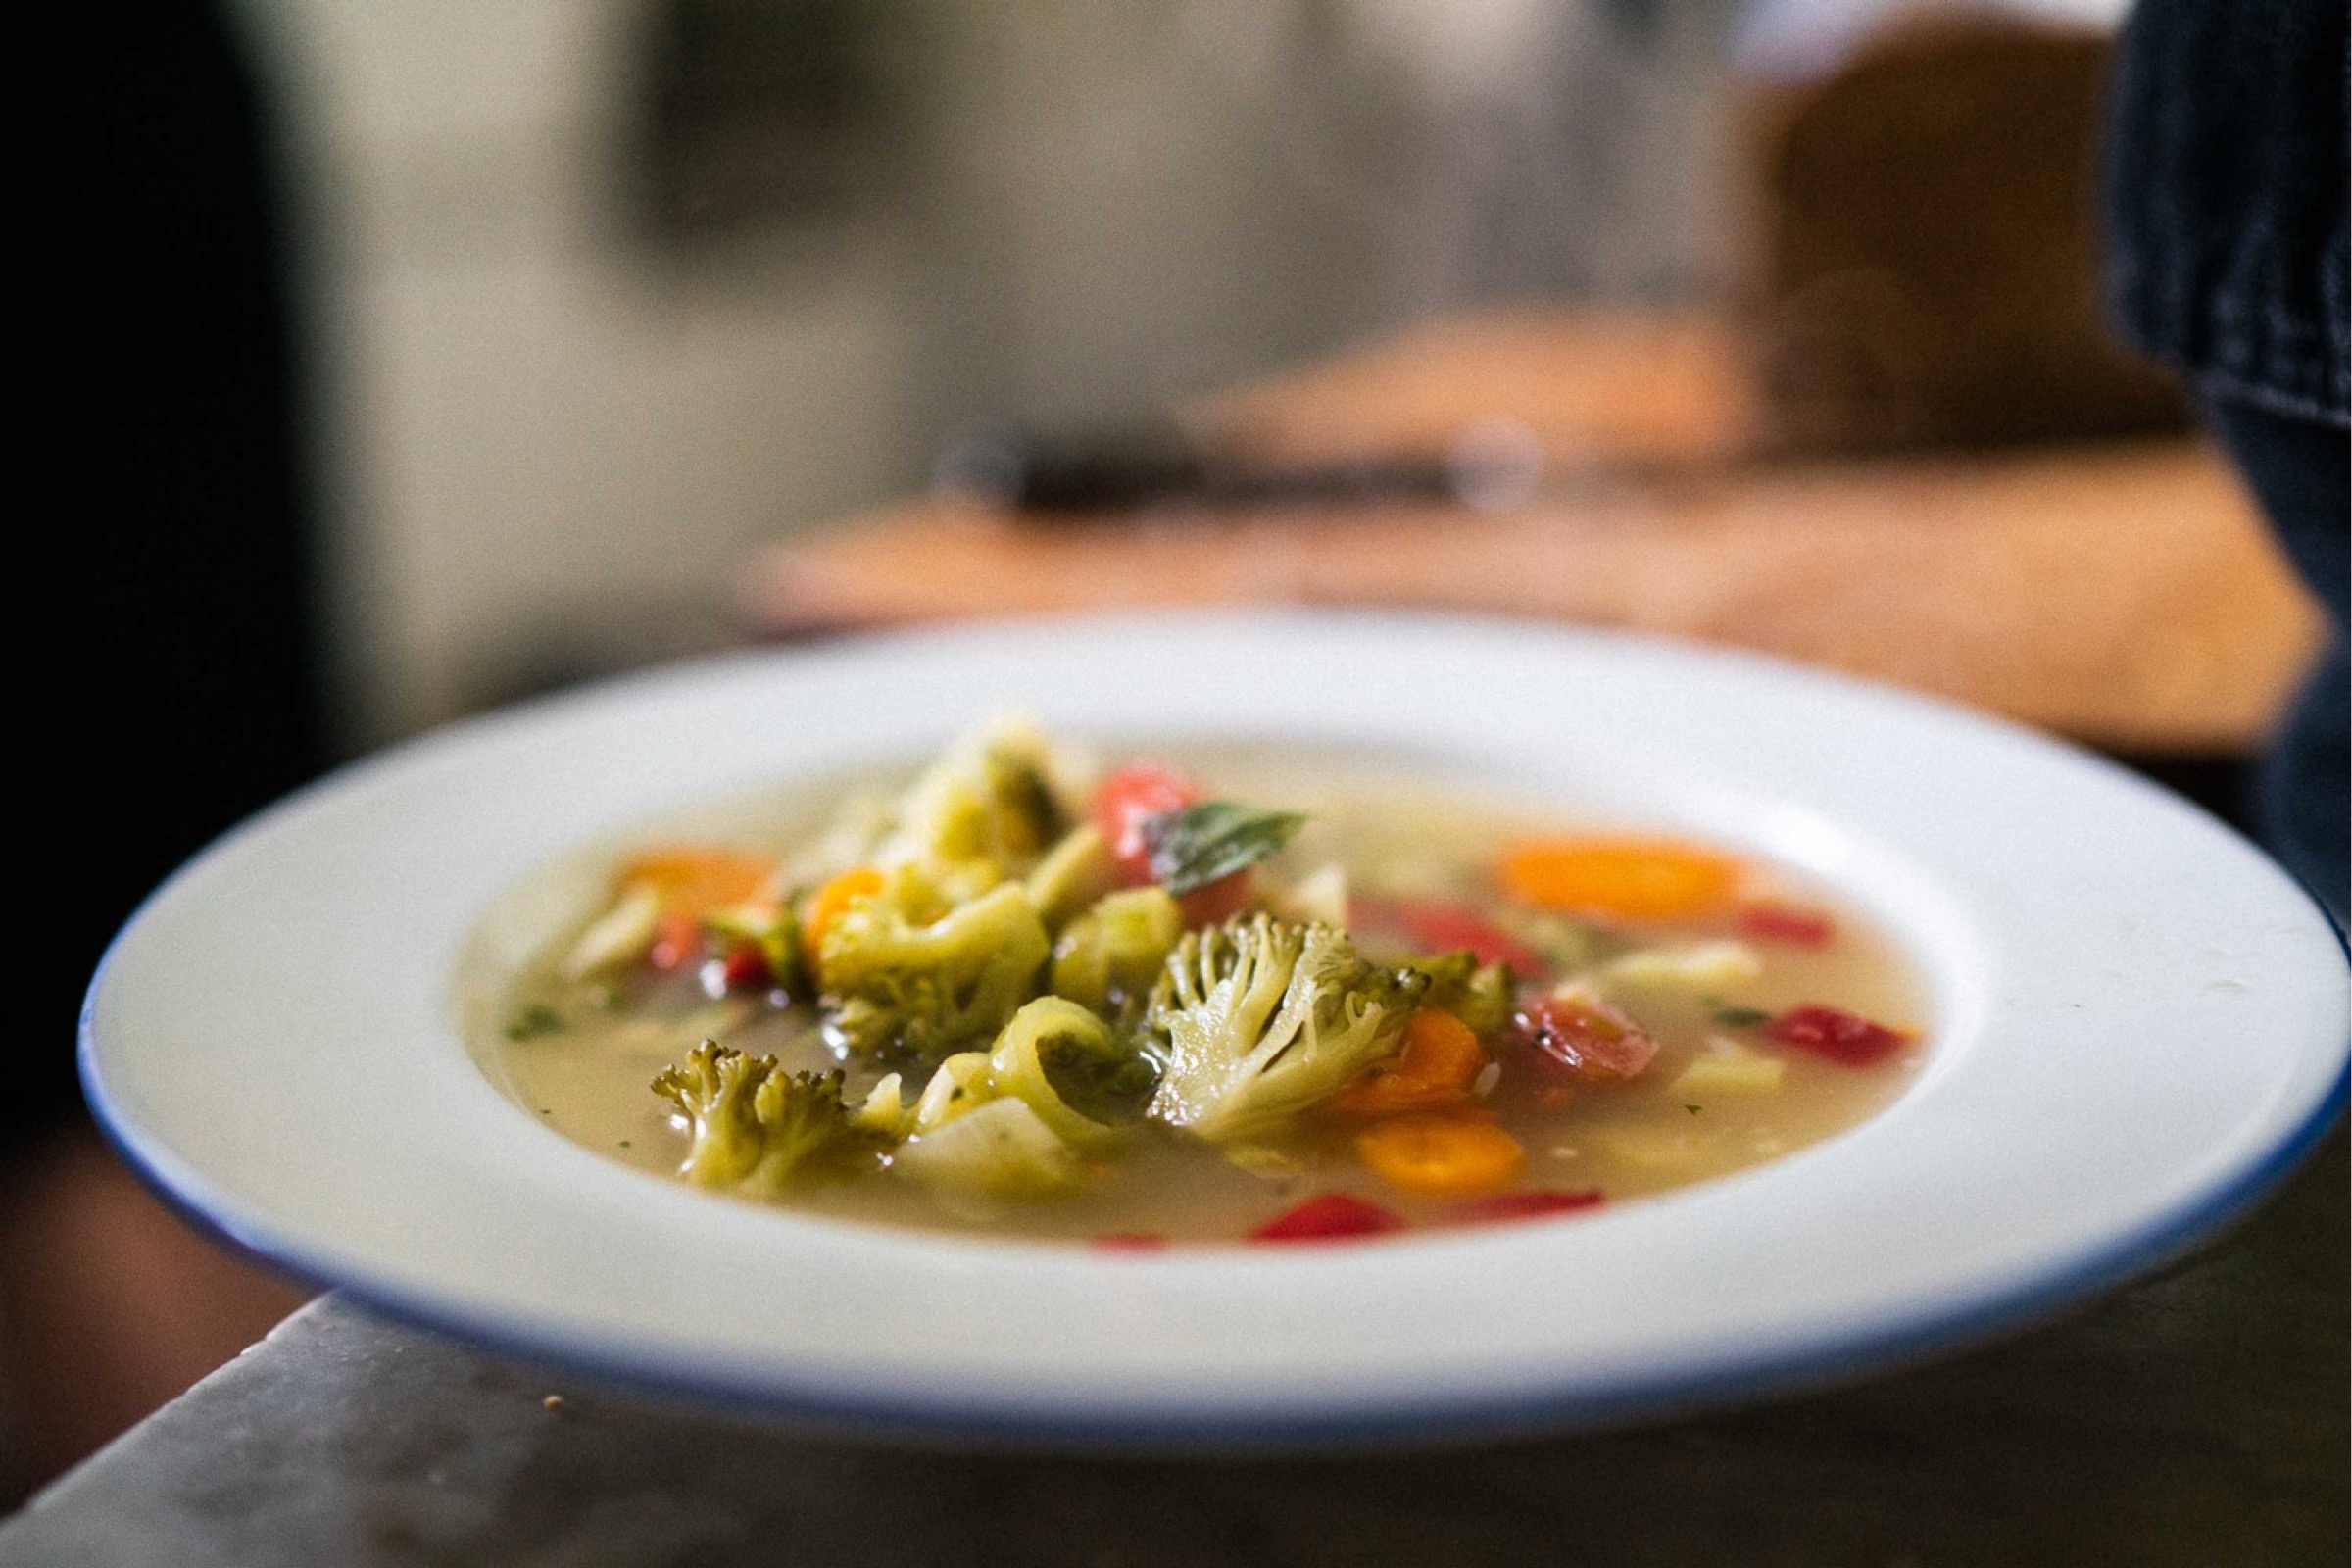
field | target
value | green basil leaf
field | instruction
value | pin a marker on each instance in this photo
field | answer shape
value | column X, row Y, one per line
column 1197, row 845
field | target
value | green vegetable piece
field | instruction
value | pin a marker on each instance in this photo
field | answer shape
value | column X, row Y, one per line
column 1197, row 845
column 956, row 1086
column 1067, row 1065
column 757, row 1129
column 1566, row 943
column 777, row 936
column 904, row 977
column 532, row 1021
column 1002, row 1148
column 618, row 937
column 1113, row 952
column 1741, row 1017
column 1480, row 994
column 1074, row 873
column 1257, row 1019
column 988, row 802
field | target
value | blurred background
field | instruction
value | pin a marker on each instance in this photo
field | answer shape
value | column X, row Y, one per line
column 432, row 353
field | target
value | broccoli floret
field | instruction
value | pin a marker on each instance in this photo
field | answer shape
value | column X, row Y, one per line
column 757, row 1128
column 1112, row 953
column 1480, row 994
column 905, row 974
column 1258, row 1019
column 987, row 802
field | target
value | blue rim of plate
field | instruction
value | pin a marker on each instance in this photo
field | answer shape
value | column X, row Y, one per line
column 1651, row 1393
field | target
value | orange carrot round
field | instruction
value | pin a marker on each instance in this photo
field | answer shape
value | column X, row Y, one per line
column 1446, row 1155
column 699, row 880
column 1636, row 879
column 1440, row 1062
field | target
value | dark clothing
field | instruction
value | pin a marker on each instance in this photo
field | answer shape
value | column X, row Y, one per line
column 2298, row 470
column 2227, row 192
column 2227, row 196
column 188, row 698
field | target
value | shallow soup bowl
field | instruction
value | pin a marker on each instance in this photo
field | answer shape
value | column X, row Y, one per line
column 2136, row 1025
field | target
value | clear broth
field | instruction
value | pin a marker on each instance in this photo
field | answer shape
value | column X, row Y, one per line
column 589, row 1081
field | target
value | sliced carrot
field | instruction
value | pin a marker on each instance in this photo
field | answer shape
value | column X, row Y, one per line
column 1448, row 1155
column 1440, row 1062
column 831, row 899
column 700, row 879
column 1637, row 879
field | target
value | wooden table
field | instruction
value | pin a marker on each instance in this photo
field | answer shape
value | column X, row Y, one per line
column 2124, row 593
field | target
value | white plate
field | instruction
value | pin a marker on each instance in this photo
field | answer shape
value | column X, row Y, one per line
column 2139, row 1024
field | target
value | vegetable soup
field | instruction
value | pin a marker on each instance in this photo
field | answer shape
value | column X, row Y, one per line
column 1236, row 1001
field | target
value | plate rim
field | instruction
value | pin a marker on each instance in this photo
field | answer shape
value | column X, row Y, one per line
column 1821, row 1356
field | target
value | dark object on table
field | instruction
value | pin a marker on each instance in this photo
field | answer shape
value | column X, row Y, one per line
column 2228, row 191
column 1129, row 467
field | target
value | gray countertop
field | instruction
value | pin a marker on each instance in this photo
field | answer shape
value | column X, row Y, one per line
column 2195, row 1418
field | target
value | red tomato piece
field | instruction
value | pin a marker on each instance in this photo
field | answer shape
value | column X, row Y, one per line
column 747, row 969
column 1534, row 1205
column 1127, row 798
column 1846, row 1038
column 1328, row 1217
column 1227, row 896
column 1790, row 924
column 1586, row 1039
column 1130, row 1241
column 1436, row 926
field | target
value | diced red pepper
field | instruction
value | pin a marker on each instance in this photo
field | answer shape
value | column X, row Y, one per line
column 1328, row 1217
column 1534, row 1205
column 747, row 969
column 1584, row 1039
column 1790, row 925
column 1126, row 800
column 1437, row 926
column 1846, row 1038
column 1130, row 1241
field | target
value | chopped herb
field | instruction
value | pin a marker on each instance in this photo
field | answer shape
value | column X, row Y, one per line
column 534, row 1021
column 1197, row 845
column 1692, row 1109
column 626, row 1144
column 1741, row 1017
